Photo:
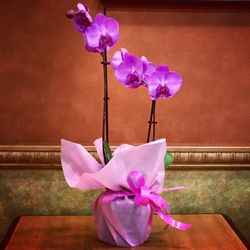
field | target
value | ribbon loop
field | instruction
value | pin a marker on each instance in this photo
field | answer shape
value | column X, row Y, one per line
column 144, row 197
column 135, row 181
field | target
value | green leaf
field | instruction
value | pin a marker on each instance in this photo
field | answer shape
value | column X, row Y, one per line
column 107, row 151
column 168, row 159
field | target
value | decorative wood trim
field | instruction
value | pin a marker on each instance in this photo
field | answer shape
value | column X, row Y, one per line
column 192, row 5
column 185, row 158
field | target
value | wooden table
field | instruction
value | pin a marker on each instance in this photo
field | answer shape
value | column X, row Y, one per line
column 209, row 231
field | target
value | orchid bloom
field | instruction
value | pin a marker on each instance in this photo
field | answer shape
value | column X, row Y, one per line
column 129, row 72
column 102, row 33
column 82, row 19
column 162, row 83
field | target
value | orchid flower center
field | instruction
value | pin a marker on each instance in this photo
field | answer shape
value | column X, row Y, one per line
column 162, row 91
column 106, row 40
column 133, row 77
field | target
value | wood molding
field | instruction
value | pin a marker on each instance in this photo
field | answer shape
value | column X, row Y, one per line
column 186, row 158
column 177, row 5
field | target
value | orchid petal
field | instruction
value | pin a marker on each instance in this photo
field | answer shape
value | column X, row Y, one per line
column 153, row 79
column 118, row 58
column 152, row 88
column 93, row 35
column 144, row 62
column 124, row 52
column 88, row 17
column 82, row 7
column 112, row 27
column 122, row 71
column 150, row 68
column 135, row 63
column 138, row 66
column 90, row 49
column 163, row 71
column 131, row 59
column 100, row 20
column 174, row 82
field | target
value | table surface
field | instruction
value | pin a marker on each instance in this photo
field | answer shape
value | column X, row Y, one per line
column 209, row 231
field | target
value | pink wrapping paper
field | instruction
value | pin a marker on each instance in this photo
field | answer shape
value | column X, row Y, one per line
column 82, row 171
column 120, row 221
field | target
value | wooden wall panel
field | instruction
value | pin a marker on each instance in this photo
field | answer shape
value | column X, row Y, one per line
column 185, row 158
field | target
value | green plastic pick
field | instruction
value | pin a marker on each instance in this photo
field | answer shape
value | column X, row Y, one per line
column 107, row 150
column 168, row 159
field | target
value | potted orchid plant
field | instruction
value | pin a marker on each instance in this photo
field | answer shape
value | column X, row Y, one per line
column 132, row 176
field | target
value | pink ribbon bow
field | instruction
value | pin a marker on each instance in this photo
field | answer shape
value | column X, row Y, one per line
column 144, row 196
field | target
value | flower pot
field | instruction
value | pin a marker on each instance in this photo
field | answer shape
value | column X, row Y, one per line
column 121, row 222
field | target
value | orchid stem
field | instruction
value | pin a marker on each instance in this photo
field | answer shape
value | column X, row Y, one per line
column 152, row 121
column 105, row 120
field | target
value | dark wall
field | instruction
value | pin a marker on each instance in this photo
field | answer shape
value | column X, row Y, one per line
column 51, row 88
